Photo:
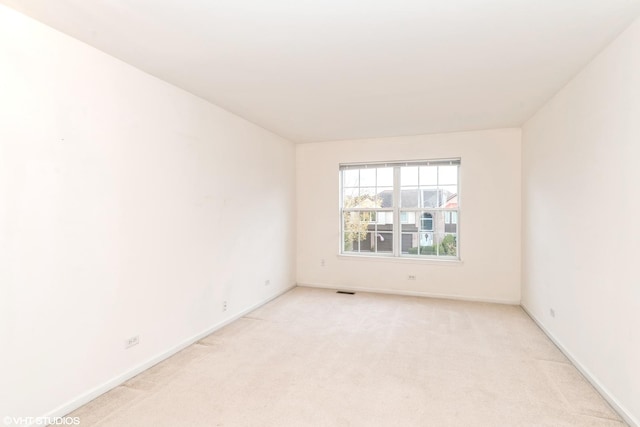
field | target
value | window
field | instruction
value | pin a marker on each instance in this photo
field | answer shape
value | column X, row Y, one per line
column 401, row 209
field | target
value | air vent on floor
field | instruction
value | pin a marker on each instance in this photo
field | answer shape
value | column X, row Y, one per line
column 345, row 292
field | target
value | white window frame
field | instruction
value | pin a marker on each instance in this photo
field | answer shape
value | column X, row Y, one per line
column 397, row 210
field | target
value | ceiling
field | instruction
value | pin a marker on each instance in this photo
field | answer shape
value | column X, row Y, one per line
column 344, row 69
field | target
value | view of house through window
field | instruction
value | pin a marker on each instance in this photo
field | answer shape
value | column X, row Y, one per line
column 400, row 209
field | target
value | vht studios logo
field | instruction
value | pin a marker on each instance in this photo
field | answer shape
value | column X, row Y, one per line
column 42, row 421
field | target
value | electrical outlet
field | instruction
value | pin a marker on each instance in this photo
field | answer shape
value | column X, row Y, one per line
column 224, row 305
column 411, row 277
column 128, row 343
column 552, row 312
column 267, row 282
column 322, row 263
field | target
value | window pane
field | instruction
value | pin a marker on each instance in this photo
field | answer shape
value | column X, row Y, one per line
column 417, row 244
column 408, row 218
column 370, row 192
column 430, row 196
column 409, row 198
column 366, row 198
column 367, row 177
column 428, row 175
column 451, row 222
column 385, row 177
column 384, row 242
column 426, row 244
column 368, row 244
column 350, row 178
column 351, row 244
column 448, row 197
column 367, row 217
column 356, row 227
column 426, row 222
column 408, row 176
column 408, row 221
column 450, row 228
column 349, row 197
column 448, row 245
column 409, row 244
column 354, row 224
column 385, row 194
column 385, row 218
column 447, row 175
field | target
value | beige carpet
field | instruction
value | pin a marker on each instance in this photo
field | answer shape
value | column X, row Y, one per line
column 316, row 358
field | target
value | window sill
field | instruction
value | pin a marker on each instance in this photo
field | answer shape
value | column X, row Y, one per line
column 402, row 260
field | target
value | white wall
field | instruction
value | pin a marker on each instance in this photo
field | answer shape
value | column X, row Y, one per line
column 489, row 227
column 581, row 209
column 127, row 207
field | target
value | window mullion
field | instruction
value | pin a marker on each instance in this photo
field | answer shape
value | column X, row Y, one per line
column 397, row 228
column 341, row 211
column 436, row 243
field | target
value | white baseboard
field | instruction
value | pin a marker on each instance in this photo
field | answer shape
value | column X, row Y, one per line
column 604, row 392
column 87, row 397
column 410, row 293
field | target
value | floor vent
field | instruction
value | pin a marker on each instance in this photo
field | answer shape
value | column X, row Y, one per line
column 345, row 292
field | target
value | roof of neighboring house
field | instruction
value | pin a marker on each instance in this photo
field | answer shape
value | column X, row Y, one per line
column 410, row 197
column 452, row 201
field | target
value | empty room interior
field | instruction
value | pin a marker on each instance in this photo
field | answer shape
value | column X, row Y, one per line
column 332, row 213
